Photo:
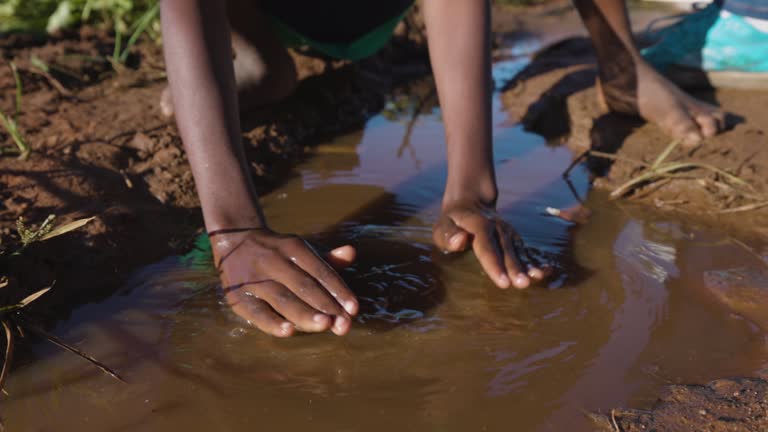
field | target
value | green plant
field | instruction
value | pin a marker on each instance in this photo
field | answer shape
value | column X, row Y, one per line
column 120, row 54
column 12, row 317
column 11, row 122
column 52, row 15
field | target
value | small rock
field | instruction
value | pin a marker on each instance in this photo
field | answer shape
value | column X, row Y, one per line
column 141, row 142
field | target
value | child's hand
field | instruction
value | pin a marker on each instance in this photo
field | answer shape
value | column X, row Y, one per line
column 496, row 244
column 279, row 284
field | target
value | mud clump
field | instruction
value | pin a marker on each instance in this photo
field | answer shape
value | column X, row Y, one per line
column 733, row 405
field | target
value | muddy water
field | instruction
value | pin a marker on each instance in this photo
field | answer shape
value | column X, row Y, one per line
column 437, row 347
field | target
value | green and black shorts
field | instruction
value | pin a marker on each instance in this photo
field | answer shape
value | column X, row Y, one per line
column 344, row 29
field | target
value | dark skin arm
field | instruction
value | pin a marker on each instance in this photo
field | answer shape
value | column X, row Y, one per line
column 458, row 32
column 276, row 282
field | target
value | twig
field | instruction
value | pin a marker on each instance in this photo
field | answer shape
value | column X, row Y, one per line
column 748, row 207
column 51, row 80
column 612, row 156
column 575, row 162
column 613, row 420
column 750, row 250
column 669, row 168
column 61, row 344
column 8, row 353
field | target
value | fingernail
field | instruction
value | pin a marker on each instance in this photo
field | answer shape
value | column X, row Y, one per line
column 320, row 318
column 455, row 241
column 504, row 281
column 337, row 252
column 350, row 306
column 341, row 323
column 535, row 273
column 286, row 327
column 522, row 281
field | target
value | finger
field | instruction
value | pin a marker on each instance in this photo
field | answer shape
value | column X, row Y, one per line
column 545, row 271
column 292, row 275
column 324, row 275
column 512, row 261
column 449, row 237
column 341, row 257
column 287, row 304
column 258, row 314
column 341, row 325
column 535, row 270
column 487, row 250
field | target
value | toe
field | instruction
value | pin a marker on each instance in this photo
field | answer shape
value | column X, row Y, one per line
column 708, row 125
column 166, row 103
column 685, row 129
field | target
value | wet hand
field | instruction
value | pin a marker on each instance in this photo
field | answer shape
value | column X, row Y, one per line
column 496, row 244
column 280, row 285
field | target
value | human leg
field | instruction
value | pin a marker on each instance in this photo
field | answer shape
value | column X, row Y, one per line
column 264, row 70
column 628, row 84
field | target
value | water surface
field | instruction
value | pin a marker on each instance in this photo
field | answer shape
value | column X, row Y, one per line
column 437, row 346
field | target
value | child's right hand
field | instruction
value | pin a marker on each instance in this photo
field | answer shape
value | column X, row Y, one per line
column 279, row 284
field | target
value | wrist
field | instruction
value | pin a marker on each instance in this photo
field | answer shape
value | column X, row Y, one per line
column 239, row 217
column 479, row 190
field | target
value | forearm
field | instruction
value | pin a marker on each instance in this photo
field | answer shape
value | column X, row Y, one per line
column 198, row 57
column 458, row 32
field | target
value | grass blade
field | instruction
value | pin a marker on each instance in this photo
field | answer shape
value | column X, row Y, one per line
column 30, row 298
column 141, row 26
column 118, row 44
column 744, row 208
column 9, row 308
column 664, row 154
column 8, row 353
column 36, row 62
column 63, row 345
column 631, row 184
column 669, row 168
column 19, row 90
column 63, row 229
column 13, row 131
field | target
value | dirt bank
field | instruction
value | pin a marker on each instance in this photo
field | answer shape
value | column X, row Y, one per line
column 555, row 96
column 738, row 404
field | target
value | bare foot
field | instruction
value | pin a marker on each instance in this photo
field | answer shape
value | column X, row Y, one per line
column 659, row 101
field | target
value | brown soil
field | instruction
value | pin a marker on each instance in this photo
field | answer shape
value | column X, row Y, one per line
column 555, row 96
column 738, row 404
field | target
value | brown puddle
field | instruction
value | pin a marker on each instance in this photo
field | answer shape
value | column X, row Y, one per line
column 437, row 347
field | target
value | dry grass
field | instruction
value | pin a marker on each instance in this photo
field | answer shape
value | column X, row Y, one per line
column 13, row 314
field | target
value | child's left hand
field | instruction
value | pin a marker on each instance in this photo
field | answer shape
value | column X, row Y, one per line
column 496, row 244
